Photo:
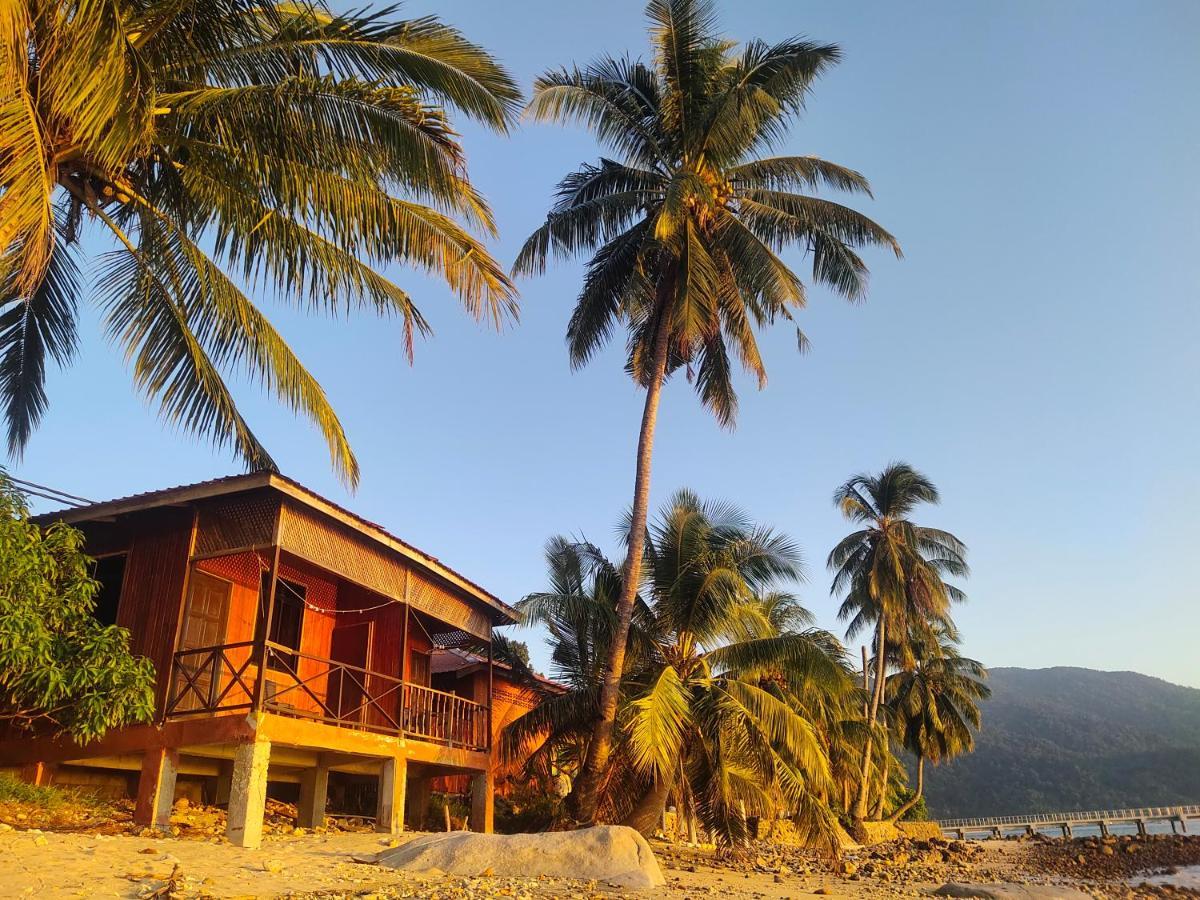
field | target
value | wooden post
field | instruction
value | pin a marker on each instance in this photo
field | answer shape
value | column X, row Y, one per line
column 260, row 683
column 490, row 740
column 393, row 782
column 417, row 798
column 39, row 774
column 404, row 693
column 165, row 686
column 482, row 802
column 156, row 788
column 248, row 793
column 224, row 782
column 314, row 788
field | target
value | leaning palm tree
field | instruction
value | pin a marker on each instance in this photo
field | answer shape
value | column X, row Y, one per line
column 220, row 146
column 934, row 706
column 684, row 229
column 709, row 712
column 891, row 574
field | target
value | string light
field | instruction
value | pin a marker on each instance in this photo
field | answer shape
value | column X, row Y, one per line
column 265, row 567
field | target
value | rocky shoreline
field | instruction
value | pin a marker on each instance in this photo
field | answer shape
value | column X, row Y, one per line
column 74, row 852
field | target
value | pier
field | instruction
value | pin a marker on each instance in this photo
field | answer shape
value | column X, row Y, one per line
column 997, row 826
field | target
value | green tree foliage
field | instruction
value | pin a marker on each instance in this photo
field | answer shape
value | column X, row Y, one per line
column 221, row 145
column 60, row 670
column 1067, row 738
column 933, row 705
column 890, row 575
column 683, row 229
column 724, row 680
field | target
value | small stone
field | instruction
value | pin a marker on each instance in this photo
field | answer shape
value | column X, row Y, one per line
column 273, row 866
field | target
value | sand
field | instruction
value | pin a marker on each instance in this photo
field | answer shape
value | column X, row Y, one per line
column 74, row 865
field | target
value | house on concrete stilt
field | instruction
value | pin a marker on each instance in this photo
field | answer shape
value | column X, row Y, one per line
column 293, row 643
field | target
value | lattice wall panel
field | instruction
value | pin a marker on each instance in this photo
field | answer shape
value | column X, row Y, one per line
column 339, row 549
column 237, row 522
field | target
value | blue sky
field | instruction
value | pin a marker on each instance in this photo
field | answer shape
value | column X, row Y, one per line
column 1034, row 353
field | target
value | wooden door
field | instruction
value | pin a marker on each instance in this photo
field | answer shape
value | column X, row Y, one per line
column 204, row 625
column 350, row 644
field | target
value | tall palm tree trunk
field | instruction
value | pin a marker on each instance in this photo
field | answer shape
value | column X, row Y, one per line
column 859, row 814
column 600, row 746
column 647, row 815
column 915, row 798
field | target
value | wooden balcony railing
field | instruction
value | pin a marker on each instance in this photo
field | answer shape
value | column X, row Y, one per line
column 444, row 718
column 225, row 678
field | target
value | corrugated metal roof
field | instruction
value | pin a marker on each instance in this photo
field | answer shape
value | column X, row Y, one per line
column 246, row 481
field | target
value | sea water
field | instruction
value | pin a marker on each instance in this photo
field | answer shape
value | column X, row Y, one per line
column 1186, row 877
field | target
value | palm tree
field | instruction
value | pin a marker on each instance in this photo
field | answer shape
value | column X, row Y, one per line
column 934, row 706
column 709, row 712
column 683, row 229
column 890, row 572
column 223, row 145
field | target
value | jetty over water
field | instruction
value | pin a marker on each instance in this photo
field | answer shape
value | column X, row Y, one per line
column 996, row 826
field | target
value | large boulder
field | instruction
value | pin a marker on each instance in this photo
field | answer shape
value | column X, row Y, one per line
column 610, row 853
column 1010, row 891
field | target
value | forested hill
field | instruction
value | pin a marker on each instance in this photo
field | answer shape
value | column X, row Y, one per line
column 1065, row 738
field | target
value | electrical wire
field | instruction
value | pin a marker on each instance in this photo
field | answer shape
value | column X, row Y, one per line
column 48, row 493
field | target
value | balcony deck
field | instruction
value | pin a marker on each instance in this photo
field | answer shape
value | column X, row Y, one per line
column 269, row 677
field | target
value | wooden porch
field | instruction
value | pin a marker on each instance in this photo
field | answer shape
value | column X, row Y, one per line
column 225, row 678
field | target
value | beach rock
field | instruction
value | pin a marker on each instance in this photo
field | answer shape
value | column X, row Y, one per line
column 1010, row 891
column 610, row 853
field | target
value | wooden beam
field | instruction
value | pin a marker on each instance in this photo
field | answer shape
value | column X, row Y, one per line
column 156, row 788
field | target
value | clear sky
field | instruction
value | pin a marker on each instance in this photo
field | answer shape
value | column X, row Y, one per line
column 1035, row 353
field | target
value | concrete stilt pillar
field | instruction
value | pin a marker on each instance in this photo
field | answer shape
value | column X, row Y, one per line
column 1141, row 827
column 1066, row 830
column 1182, row 823
column 38, row 774
column 248, row 794
column 483, row 788
column 962, row 835
column 314, row 786
column 393, row 782
column 1173, row 827
column 156, row 788
column 1103, row 828
column 1029, row 830
column 224, row 782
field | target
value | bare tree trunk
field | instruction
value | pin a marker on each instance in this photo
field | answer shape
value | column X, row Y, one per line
column 600, row 746
column 915, row 798
column 647, row 815
column 859, row 813
column 885, row 763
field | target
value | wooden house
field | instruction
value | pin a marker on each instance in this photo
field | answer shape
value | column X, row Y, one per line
column 293, row 642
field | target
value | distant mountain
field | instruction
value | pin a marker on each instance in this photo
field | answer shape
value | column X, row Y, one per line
column 1065, row 738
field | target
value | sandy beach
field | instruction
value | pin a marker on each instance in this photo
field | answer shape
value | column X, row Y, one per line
column 36, row 863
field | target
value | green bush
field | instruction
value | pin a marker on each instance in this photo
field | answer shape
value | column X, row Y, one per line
column 61, row 670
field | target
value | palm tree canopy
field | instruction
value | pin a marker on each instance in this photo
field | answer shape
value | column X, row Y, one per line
column 684, row 226
column 934, row 705
column 221, row 146
column 718, row 661
column 892, row 568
